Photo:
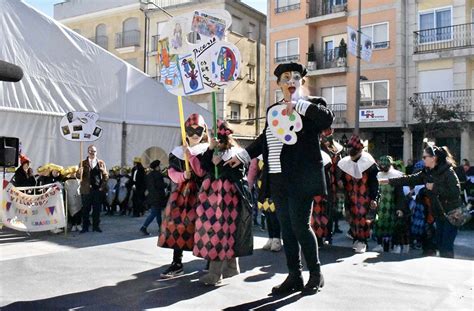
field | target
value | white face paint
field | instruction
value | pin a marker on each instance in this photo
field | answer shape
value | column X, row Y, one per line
column 290, row 82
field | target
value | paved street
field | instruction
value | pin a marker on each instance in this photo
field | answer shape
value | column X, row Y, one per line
column 119, row 270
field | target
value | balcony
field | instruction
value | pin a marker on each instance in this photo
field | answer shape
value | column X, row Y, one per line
column 127, row 39
column 287, row 8
column 102, row 41
column 323, row 10
column 374, row 103
column 444, row 38
column 339, row 111
column 326, row 62
column 288, row 58
column 454, row 101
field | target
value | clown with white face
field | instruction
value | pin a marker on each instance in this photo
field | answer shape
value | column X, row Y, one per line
column 293, row 172
column 177, row 231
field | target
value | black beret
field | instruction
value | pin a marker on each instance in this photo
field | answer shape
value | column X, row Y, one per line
column 155, row 164
column 286, row 67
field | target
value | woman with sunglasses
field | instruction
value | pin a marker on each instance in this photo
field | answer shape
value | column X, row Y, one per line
column 443, row 188
column 177, row 229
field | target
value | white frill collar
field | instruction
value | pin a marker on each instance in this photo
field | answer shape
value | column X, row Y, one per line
column 326, row 158
column 392, row 173
column 195, row 150
column 355, row 169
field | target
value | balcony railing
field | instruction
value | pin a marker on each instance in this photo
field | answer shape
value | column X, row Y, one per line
column 325, row 7
column 287, row 8
column 127, row 38
column 326, row 59
column 102, row 41
column 374, row 103
column 460, row 100
column 443, row 38
column 288, row 58
column 339, row 111
column 154, row 43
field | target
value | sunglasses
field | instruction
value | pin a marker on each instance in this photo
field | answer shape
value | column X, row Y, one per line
column 190, row 131
column 92, row 151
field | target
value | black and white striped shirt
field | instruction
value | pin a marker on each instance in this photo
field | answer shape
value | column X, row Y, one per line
column 274, row 151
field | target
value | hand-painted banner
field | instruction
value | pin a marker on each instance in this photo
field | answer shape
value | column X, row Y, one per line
column 33, row 213
column 205, row 66
column 80, row 126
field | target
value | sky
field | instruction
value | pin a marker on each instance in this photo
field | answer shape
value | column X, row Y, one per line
column 46, row 6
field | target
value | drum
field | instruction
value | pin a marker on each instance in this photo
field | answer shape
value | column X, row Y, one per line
column 111, row 191
column 74, row 204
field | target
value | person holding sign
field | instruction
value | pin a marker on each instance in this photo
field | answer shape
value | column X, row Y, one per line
column 177, row 229
column 93, row 174
column 293, row 172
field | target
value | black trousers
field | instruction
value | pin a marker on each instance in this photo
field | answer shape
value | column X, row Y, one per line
column 93, row 201
column 273, row 226
column 294, row 215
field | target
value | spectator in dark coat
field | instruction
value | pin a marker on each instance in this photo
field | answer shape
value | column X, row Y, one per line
column 156, row 198
column 24, row 176
column 138, row 187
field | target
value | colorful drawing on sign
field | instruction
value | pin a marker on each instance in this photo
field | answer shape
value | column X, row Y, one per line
column 190, row 74
column 177, row 39
column 284, row 126
column 227, row 62
column 168, row 64
column 208, row 25
column 80, row 126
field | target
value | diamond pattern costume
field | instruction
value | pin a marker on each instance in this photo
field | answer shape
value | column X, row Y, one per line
column 320, row 211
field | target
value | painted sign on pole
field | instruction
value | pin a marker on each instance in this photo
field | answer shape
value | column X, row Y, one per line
column 80, row 126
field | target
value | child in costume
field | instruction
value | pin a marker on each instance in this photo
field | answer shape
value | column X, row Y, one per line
column 268, row 207
column 224, row 221
column 390, row 208
column 177, row 229
column 358, row 176
column 293, row 172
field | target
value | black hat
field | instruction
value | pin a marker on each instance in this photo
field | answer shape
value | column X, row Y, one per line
column 286, row 67
column 155, row 164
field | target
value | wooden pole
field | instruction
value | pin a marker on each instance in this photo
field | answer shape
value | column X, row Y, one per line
column 183, row 130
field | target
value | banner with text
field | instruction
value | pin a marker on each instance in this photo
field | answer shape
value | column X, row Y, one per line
column 31, row 213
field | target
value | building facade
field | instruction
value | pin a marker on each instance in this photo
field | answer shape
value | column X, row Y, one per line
column 130, row 30
column 440, row 70
column 310, row 32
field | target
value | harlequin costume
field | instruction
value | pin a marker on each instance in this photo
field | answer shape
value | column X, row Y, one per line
column 178, row 225
column 391, row 199
column 224, row 222
column 320, row 212
column 360, row 183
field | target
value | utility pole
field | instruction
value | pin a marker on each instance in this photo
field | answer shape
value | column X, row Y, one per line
column 357, row 102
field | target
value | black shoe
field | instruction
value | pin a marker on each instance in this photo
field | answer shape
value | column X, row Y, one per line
column 84, row 230
column 291, row 284
column 97, row 230
column 144, row 231
column 174, row 270
column 315, row 282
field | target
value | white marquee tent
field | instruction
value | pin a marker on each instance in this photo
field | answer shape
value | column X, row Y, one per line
column 63, row 72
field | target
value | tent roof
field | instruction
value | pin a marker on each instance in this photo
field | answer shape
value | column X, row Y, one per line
column 64, row 71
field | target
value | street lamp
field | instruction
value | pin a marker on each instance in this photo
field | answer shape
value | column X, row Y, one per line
column 357, row 103
column 144, row 7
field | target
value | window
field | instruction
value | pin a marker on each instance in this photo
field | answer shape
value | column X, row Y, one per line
column 278, row 95
column 435, row 80
column 251, row 73
column 287, row 50
column 379, row 35
column 251, row 114
column 374, row 93
column 252, row 33
column 336, row 97
column 234, row 111
column 101, row 36
column 160, row 26
column 236, row 25
column 286, row 5
column 435, row 25
column 132, row 61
